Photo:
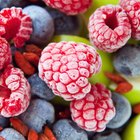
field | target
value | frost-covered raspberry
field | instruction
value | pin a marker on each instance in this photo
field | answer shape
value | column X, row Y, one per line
column 132, row 9
column 69, row 7
column 15, row 97
column 93, row 112
column 18, row 26
column 109, row 28
column 5, row 53
column 65, row 67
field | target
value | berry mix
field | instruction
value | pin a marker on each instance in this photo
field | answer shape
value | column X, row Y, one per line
column 69, row 69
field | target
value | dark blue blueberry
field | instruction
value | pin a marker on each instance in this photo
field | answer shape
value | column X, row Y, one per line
column 107, row 135
column 123, row 111
column 43, row 25
column 67, row 130
column 11, row 134
column 4, row 121
column 65, row 24
column 127, row 60
column 39, row 88
column 38, row 114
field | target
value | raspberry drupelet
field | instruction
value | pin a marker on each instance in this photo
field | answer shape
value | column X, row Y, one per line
column 15, row 92
column 109, row 28
column 95, row 110
column 69, row 7
column 66, row 67
column 5, row 53
column 18, row 26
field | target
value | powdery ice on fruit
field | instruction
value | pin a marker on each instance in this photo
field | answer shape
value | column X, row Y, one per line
column 69, row 7
column 66, row 67
column 5, row 53
column 93, row 112
column 132, row 8
column 109, row 28
column 18, row 26
column 16, row 100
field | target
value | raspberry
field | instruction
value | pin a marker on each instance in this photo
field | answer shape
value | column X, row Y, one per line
column 18, row 26
column 69, row 7
column 16, row 88
column 132, row 8
column 109, row 28
column 5, row 53
column 93, row 112
column 65, row 67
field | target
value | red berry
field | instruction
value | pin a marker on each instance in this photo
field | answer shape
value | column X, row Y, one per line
column 93, row 112
column 18, row 26
column 69, row 7
column 109, row 28
column 132, row 8
column 17, row 98
column 65, row 67
column 5, row 53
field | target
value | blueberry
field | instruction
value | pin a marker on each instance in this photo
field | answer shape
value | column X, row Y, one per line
column 38, row 114
column 4, row 122
column 108, row 135
column 67, row 130
column 11, row 134
column 127, row 60
column 43, row 25
column 123, row 111
column 39, row 88
column 65, row 24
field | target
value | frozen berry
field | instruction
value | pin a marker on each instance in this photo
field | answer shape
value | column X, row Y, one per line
column 65, row 24
column 11, row 134
column 66, row 67
column 18, row 26
column 16, row 92
column 93, row 112
column 123, row 111
column 67, row 130
column 132, row 8
column 109, row 28
column 107, row 135
column 38, row 114
column 43, row 25
column 39, row 88
column 70, row 7
column 5, row 53
column 126, row 60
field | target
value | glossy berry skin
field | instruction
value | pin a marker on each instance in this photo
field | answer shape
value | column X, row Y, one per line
column 69, row 7
column 18, row 26
column 132, row 8
column 123, row 111
column 5, row 53
column 43, row 25
column 17, row 96
column 65, row 129
column 38, row 114
column 39, row 88
column 65, row 67
column 11, row 134
column 94, row 111
column 127, row 62
column 109, row 28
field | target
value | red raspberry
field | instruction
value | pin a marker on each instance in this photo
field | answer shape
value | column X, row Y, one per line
column 69, row 7
column 132, row 8
column 109, row 28
column 93, row 112
column 18, row 26
column 16, row 92
column 65, row 67
column 5, row 53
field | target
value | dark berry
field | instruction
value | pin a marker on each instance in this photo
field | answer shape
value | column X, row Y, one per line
column 4, row 121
